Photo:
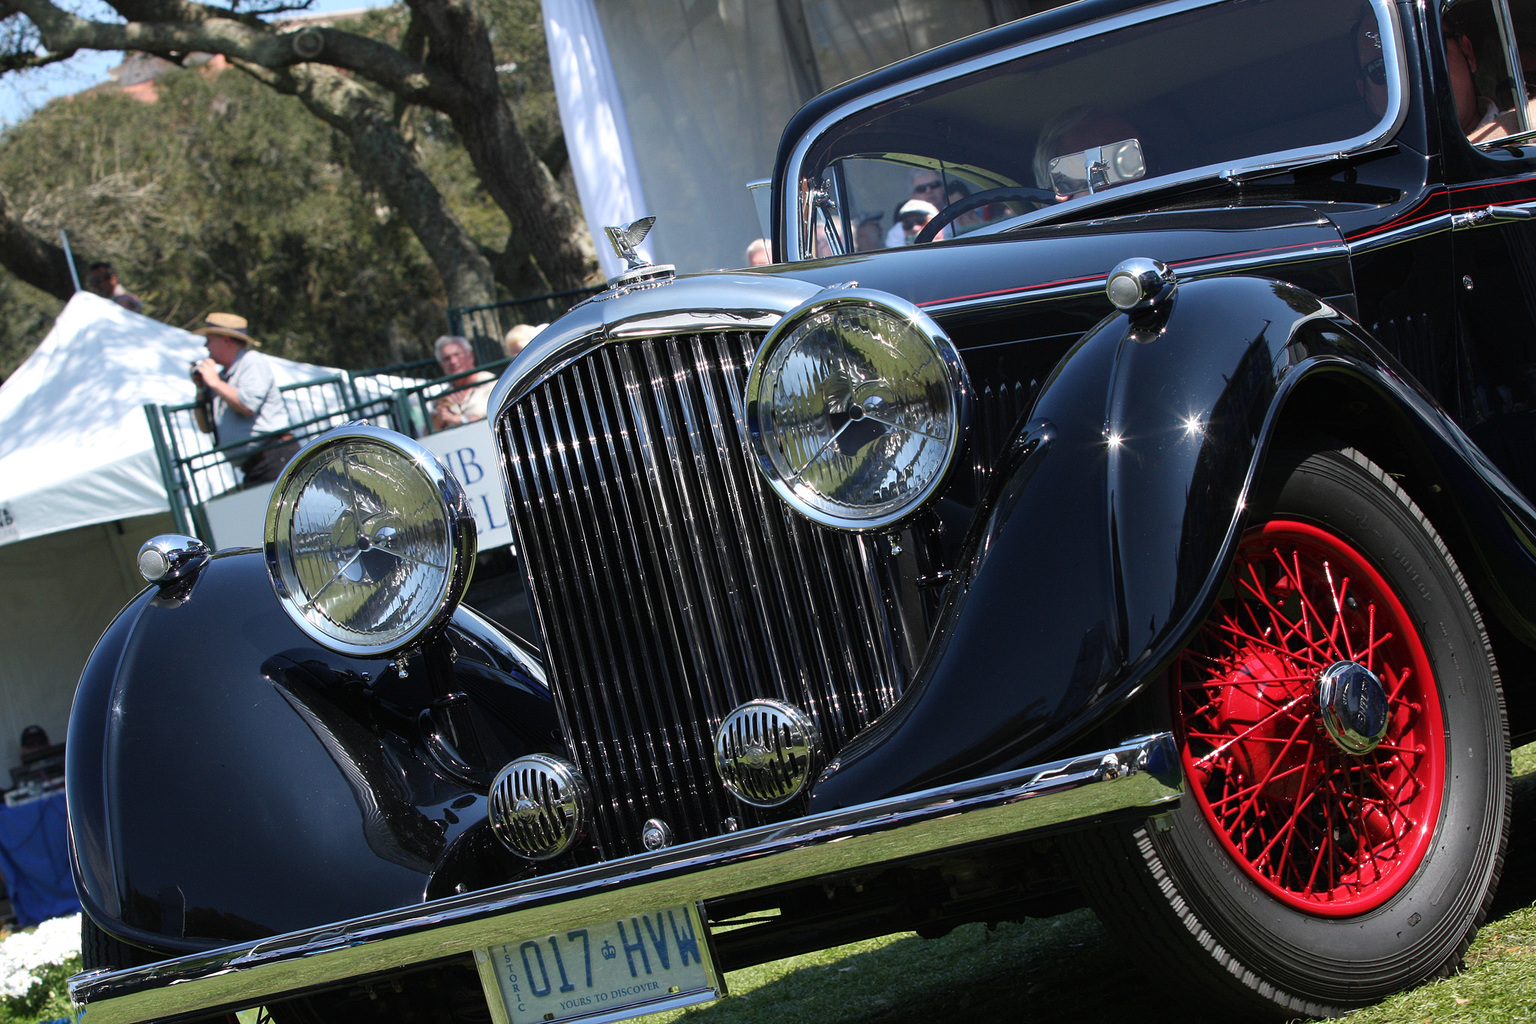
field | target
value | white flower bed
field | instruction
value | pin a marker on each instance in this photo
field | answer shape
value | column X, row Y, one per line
column 21, row 954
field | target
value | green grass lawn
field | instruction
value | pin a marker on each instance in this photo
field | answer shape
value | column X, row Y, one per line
column 1068, row 969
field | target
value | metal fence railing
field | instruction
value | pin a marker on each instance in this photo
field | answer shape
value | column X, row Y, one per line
column 400, row 397
column 486, row 326
column 195, row 470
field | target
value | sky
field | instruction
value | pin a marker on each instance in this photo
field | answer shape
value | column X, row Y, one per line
column 21, row 94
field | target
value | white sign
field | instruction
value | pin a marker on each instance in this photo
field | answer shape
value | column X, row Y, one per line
column 468, row 453
column 238, row 519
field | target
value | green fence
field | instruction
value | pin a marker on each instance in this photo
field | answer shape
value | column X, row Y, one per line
column 397, row 397
column 486, row 326
column 195, row 470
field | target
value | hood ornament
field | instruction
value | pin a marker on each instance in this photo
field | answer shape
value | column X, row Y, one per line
column 638, row 270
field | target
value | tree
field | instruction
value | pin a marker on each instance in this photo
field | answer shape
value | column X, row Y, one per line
column 362, row 85
column 227, row 195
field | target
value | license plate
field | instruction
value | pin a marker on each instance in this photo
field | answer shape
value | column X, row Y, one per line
column 603, row 971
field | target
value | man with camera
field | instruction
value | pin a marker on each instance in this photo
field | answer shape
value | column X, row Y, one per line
column 245, row 400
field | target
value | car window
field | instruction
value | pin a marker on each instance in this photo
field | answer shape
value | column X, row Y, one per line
column 1211, row 88
column 1488, row 86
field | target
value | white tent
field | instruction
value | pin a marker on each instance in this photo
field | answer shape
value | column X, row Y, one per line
column 80, row 490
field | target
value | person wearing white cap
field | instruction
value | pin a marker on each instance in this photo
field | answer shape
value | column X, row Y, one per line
column 246, row 399
column 927, row 189
column 913, row 216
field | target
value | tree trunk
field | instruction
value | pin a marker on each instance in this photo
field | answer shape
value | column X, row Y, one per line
column 35, row 261
column 457, row 77
column 545, row 224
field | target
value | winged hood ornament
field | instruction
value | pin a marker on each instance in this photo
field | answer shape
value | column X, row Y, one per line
column 639, row 272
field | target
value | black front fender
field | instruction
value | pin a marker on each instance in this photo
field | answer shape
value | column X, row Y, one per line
column 228, row 780
column 1098, row 548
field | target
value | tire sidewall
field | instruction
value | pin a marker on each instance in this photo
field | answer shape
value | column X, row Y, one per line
column 1426, row 925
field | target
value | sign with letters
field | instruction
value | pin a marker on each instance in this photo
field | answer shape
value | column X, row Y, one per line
column 238, row 519
column 603, row 970
column 468, row 453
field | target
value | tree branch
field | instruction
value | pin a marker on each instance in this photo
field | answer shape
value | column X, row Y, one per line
column 197, row 27
column 387, row 160
column 37, row 262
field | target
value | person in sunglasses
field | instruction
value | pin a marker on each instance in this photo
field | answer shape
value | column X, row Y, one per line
column 927, row 187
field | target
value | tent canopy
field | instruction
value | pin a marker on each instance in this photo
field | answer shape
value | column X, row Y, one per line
column 75, row 447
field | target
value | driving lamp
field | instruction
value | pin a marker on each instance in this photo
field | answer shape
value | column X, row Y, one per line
column 856, row 404
column 369, row 540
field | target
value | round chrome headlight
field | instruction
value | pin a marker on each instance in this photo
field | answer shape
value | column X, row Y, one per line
column 856, row 404
column 369, row 540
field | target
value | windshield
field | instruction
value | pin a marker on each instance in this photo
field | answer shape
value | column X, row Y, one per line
column 1137, row 103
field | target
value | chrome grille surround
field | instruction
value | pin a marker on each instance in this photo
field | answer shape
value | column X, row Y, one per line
column 766, row 752
column 670, row 584
column 538, row 806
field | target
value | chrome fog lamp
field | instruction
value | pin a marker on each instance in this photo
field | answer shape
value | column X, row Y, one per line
column 369, row 540
column 766, row 752
column 856, row 403
column 538, row 806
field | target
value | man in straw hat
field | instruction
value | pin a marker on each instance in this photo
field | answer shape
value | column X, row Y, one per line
column 246, row 399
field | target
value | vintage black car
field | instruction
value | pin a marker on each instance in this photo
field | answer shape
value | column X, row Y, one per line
column 1150, row 529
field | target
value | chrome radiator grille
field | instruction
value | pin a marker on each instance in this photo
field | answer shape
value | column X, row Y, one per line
column 672, row 586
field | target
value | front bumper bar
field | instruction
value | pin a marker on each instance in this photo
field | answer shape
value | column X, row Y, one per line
column 1141, row 773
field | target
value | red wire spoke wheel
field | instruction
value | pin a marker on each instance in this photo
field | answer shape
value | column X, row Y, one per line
column 1318, row 825
column 1346, row 762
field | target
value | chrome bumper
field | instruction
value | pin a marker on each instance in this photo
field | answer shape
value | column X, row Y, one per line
column 1140, row 773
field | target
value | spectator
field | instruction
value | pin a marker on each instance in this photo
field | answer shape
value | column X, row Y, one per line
column 1480, row 117
column 518, row 337
column 102, row 279
column 1372, row 83
column 913, row 216
column 246, row 399
column 466, row 402
column 758, row 253
column 867, row 234
column 928, row 188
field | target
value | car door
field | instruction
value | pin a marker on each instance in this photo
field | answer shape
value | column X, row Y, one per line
column 1490, row 165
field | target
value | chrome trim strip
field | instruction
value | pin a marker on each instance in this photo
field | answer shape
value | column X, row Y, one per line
column 688, row 305
column 1026, row 295
column 1142, row 773
column 1397, row 81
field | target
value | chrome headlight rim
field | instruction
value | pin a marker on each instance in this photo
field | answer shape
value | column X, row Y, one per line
column 938, row 344
column 459, row 523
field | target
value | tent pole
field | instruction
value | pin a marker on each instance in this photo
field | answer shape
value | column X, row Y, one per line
column 69, row 258
column 174, row 491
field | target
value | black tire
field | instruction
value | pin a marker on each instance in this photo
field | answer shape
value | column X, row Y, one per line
column 1289, row 880
column 101, row 951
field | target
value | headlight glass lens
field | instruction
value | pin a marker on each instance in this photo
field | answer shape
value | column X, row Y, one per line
column 369, row 540
column 856, row 405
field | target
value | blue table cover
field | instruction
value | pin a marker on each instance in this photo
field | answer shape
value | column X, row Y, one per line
column 34, row 857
